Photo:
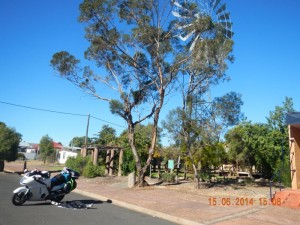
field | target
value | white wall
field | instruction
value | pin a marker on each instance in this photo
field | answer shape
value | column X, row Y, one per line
column 64, row 155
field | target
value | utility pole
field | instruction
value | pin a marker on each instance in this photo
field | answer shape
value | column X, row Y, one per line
column 87, row 131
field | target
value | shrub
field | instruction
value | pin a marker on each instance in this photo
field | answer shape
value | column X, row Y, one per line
column 128, row 165
column 77, row 163
column 91, row 170
column 168, row 177
column 205, row 176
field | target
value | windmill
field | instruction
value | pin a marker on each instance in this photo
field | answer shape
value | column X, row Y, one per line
column 192, row 14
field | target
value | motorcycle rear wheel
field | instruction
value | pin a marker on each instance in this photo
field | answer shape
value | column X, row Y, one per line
column 18, row 199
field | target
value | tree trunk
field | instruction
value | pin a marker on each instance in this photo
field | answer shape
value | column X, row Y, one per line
column 131, row 140
column 142, row 173
column 111, row 164
column 107, row 162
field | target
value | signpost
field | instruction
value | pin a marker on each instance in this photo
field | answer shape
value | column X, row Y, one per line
column 171, row 165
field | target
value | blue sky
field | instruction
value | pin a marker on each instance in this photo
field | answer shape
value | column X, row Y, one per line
column 266, row 68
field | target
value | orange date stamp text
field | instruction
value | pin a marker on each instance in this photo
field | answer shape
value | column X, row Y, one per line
column 243, row 201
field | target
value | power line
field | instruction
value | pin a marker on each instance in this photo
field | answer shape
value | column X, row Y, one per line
column 107, row 121
column 58, row 112
column 45, row 110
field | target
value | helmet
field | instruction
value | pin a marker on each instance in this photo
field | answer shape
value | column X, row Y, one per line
column 74, row 174
column 66, row 170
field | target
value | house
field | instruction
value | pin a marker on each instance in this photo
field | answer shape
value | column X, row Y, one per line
column 57, row 145
column 29, row 150
column 67, row 152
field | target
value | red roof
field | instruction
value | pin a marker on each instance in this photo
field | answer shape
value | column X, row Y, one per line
column 57, row 145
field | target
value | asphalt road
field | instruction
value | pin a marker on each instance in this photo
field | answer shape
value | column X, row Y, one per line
column 43, row 213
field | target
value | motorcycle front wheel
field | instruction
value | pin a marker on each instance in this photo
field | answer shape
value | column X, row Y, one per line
column 18, row 199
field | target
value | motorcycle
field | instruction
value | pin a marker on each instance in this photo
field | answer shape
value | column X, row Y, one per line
column 39, row 186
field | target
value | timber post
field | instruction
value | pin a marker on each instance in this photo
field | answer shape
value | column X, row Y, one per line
column 120, row 163
column 111, row 164
column 95, row 156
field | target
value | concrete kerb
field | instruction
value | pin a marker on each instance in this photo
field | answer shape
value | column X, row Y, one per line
column 136, row 208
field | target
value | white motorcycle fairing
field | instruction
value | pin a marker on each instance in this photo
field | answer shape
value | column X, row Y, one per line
column 38, row 189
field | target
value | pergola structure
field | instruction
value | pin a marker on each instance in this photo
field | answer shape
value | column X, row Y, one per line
column 293, row 122
column 110, row 156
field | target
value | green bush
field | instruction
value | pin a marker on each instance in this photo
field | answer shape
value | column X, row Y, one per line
column 128, row 165
column 91, row 170
column 205, row 176
column 77, row 163
column 168, row 177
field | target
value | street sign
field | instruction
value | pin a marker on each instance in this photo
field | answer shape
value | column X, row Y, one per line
column 171, row 164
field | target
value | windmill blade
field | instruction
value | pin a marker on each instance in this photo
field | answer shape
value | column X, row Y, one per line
column 228, row 33
column 226, row 25
column 177, row 4
column 211, row 3
column 184, row 26
column 176, row 14
column 194, row 43
column 221, row 9
column 224, row 16
column 186, row 15
column 216, row 4
column 187, row 36
column 180, row 6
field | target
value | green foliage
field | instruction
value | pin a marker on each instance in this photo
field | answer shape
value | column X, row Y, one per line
column 46, row 148
column 91, row 170
column 64, row 63
column 107, row 136
column 211, row 155
column 228, row 108
column 128, row 165
column 85, row 166
column 168, row 177
column 264, row 146
column 9, row 142
column 77, row 163
column 276, row 119
column 253, row 145
column 205, row 176
column 142, row 142
column 79, row 141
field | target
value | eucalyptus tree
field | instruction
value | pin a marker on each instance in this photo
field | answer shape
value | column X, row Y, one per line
column 140, row 49
column 136, row 46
